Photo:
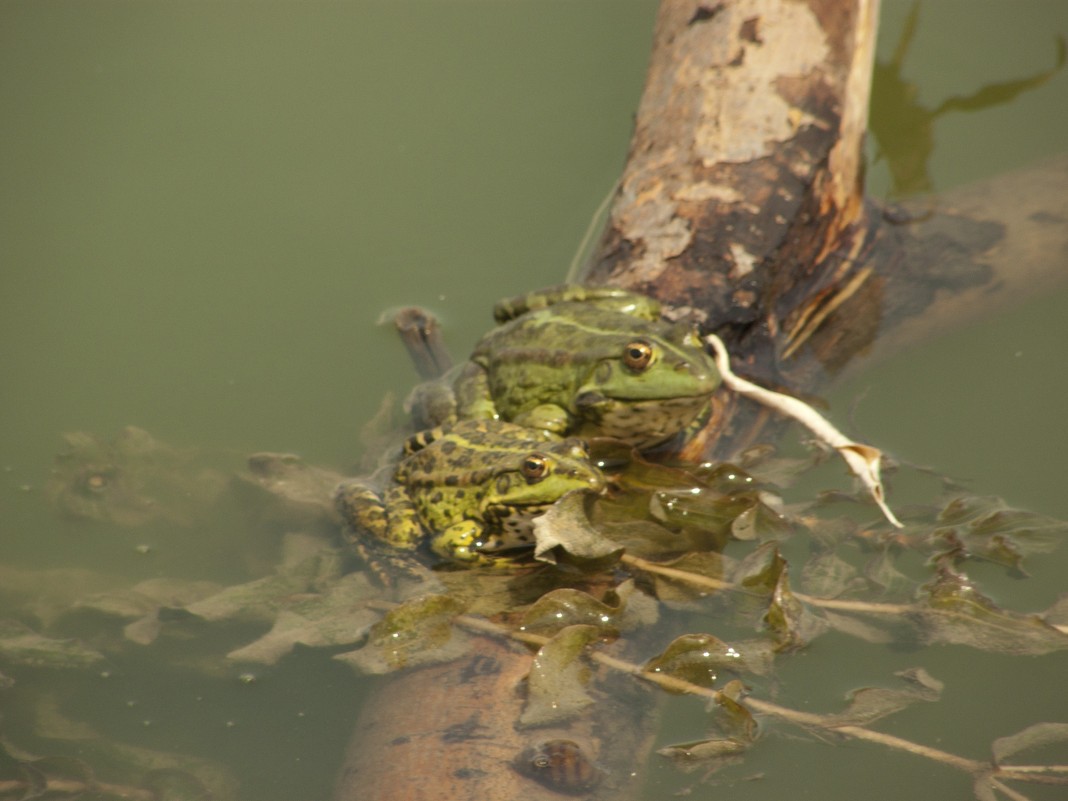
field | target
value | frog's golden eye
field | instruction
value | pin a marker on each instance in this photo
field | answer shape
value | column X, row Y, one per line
column 534, row 467
column 637, row 355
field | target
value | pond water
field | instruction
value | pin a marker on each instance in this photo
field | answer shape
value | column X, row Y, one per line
column 206, row 207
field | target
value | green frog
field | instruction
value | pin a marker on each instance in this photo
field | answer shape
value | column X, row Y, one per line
column 585, row 361
column 470, row 490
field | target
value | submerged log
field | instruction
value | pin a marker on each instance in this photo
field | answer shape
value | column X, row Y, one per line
column 450, row 732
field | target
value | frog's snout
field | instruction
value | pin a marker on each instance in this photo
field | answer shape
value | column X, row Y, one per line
column 691, row 369
column 703, row 374
column 596, row 482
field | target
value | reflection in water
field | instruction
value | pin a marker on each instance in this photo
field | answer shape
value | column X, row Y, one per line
column 904, row 129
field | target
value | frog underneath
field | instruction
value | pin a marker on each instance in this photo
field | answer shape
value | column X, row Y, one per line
column 585, row 361
column 470, row 490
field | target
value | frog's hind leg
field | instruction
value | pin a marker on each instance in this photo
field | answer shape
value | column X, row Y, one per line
column 361, row 508
column 606, row 297
column 375, row 533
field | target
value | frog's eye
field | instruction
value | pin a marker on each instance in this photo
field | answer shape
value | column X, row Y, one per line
column 534, row 467
column 637, row 355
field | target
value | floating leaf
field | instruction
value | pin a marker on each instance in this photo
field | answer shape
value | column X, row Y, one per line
column 633, row 474
column 695, row 658
column 730, row 717
column 725, row 477
column 733, row 727
column 566, row 526
column 142, row 602
column 556, row 684
column 1057, row 614
column 565, row 607
column 701, row 658
column 20, row 645
column 956, row 612
column 624, row 608
column 857, row 628
column 760, row 570
column 263, row 598
column 1034, row 736
column 337, row 617
column 689, row 756
column 987, row 528
column 869, row 704
column 881, row 570
column 418, row 632
column 638, row 607
column 641, row 537
column 790, row 621
column 707, row 567
column 828, row 575
column 703, row 516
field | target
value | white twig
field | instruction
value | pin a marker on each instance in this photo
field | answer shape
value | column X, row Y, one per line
column 863, row 460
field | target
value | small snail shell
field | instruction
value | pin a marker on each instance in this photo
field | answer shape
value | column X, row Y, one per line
column 560, row 765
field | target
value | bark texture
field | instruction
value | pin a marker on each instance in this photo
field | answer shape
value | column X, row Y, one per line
column 745, row 161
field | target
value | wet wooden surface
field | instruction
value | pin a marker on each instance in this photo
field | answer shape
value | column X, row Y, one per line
column 451, row 732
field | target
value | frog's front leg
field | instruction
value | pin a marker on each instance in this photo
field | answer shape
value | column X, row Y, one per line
column 460, row 543
column 404, row 531
column 546, row 417
column 474, row 401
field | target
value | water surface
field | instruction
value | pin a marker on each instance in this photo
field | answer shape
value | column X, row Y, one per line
column 205, row 208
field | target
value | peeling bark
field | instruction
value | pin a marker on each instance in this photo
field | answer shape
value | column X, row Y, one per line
column 745, row 161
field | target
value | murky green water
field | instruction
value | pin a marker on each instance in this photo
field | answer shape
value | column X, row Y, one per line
column 205, row 207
